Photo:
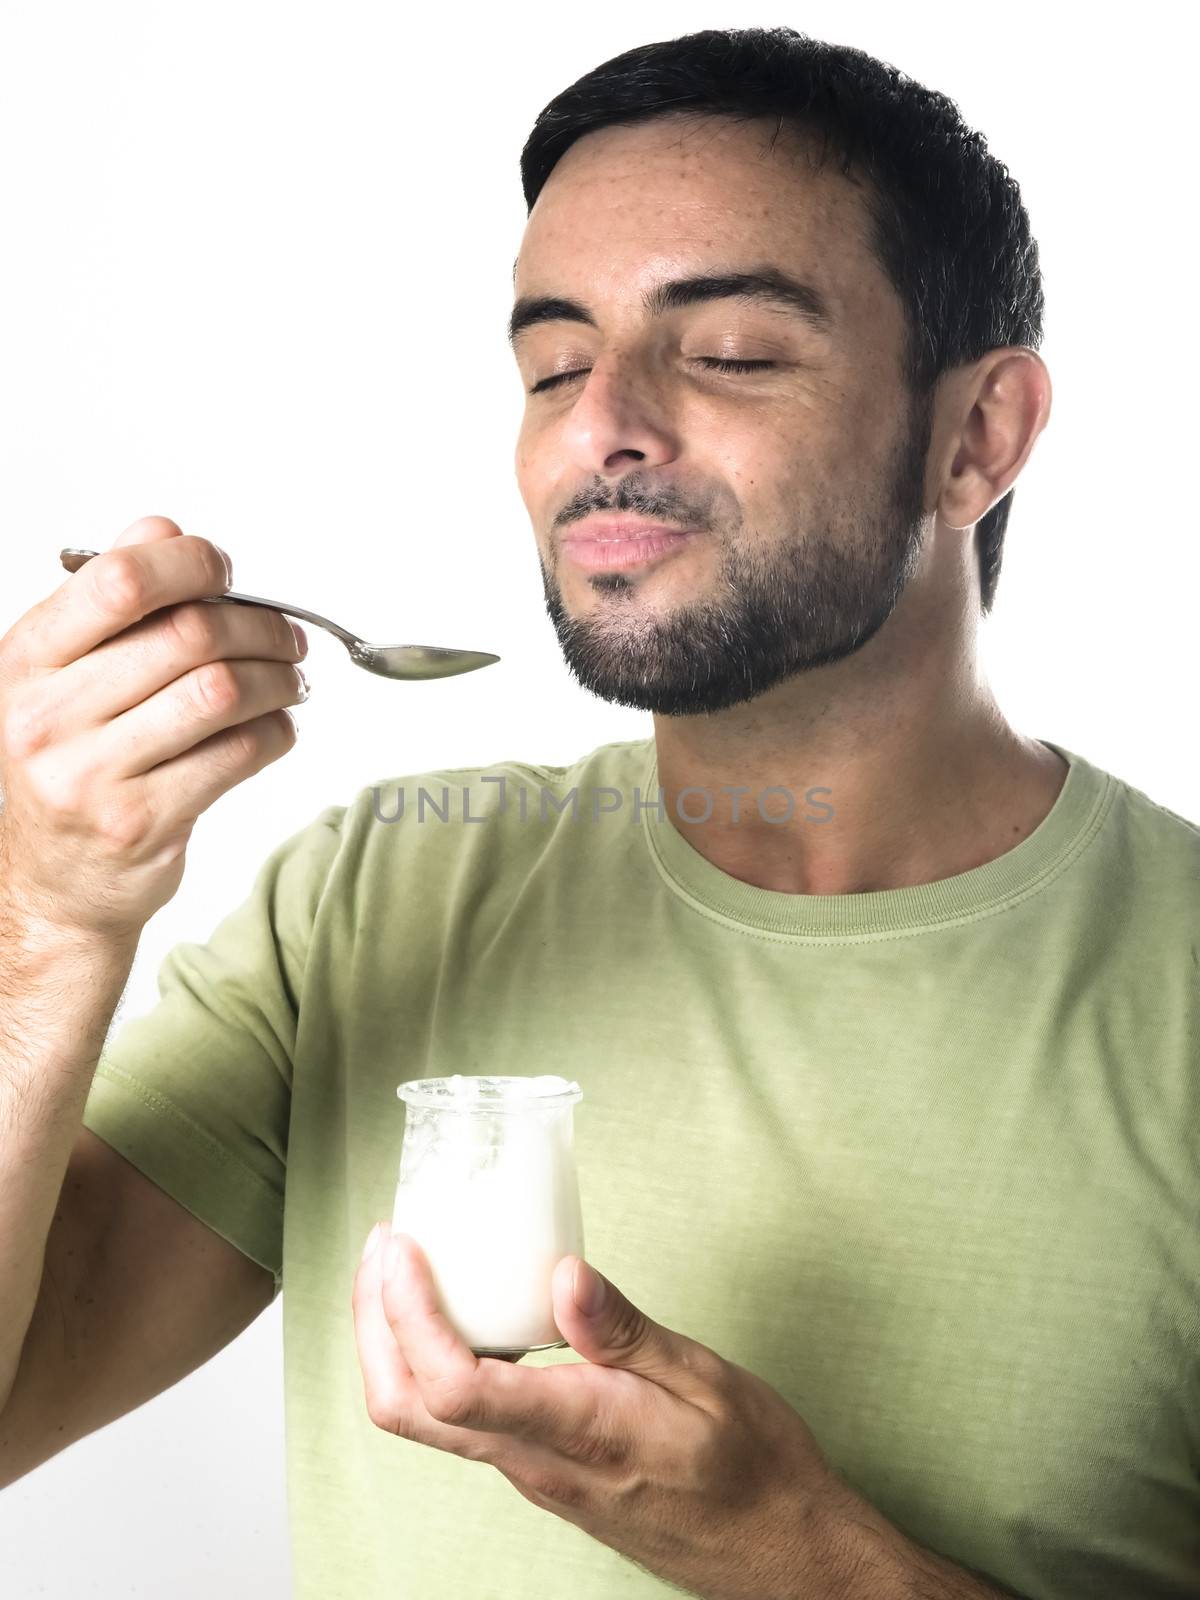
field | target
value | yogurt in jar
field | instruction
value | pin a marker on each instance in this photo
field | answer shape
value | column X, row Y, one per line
column 488, row 1188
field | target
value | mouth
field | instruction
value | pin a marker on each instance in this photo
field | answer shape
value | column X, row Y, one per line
column 614, row 545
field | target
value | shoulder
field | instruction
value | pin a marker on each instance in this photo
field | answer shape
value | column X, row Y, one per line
column 1155, row 826
column 1152, row 854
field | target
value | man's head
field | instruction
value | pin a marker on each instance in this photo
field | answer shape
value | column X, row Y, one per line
column 863, row 282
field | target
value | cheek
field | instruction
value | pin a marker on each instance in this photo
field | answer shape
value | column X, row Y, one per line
column 869, row 419
column 785, row 489
column 522, row 453
column 765, row 459
column 529, row 465
column 836, row 443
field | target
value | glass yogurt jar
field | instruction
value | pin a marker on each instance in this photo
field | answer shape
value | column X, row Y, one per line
column 488, row 1188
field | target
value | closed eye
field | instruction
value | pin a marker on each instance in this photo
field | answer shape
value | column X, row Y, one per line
column 712, row 363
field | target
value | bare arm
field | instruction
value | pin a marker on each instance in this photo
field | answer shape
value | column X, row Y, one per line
column 135, row 1294
column 127, row 706
column 863, row 1556
column 57, row 998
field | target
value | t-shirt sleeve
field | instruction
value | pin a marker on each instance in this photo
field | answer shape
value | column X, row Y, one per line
column 197, row 1092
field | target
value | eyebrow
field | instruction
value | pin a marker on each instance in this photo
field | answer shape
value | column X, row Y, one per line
column 769, row 285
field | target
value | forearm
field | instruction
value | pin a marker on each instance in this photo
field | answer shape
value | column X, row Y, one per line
column 58, row 994
column 839, row 1548
column 865, row 1557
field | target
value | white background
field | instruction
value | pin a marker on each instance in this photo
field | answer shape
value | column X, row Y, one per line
column 255, row 270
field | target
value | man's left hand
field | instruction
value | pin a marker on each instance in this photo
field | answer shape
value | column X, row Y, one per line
column 653, row 1444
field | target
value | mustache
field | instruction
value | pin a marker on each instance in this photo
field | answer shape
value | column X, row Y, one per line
column 634, row 495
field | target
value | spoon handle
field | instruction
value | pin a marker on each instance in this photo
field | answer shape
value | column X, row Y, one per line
column 292, row 611
column 73, row 559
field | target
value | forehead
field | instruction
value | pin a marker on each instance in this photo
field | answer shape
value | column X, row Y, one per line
column 623, row 201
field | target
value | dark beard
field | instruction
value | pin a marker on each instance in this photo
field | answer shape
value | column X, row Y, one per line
column 811, row 603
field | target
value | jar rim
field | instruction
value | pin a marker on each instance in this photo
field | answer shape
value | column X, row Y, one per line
column 494, row 1094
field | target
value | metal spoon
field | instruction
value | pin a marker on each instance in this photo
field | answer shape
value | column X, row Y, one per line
column 386, row 660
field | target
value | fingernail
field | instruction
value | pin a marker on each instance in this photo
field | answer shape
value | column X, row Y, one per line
column 301, row 637
column 372, row 1240
column 391, row 1257
column 228, row 565
column 588, row 1289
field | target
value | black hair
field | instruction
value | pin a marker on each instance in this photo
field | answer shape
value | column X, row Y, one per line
column 946, row 220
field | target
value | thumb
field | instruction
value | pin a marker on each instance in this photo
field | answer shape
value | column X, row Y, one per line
column 148, row 530
column 154, row 530
column 607, row 1329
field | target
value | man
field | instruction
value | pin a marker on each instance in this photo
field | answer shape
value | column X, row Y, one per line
column 885, row 1014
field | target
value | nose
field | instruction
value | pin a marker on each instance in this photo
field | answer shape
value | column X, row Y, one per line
column 617, row 417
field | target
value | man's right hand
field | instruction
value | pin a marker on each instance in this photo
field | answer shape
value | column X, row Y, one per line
column 127, row 706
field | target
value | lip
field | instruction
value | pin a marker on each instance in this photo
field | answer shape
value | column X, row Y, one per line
column 612, row 543
column 610, row 528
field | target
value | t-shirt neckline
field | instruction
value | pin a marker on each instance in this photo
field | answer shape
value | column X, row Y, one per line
column 1071, row 822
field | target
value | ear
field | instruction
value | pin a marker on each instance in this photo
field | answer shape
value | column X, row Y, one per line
column 1001, row 406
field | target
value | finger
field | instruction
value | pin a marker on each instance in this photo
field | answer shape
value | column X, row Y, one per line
column 392, row 1396
column 187, row 785
column 571, row 1409
column 128, row 669
column 210, row 698
column 372, row 1331
column 618, row 1335
column 116, row 589
column 152, row 530
column 148, row 530
column 440, row 1360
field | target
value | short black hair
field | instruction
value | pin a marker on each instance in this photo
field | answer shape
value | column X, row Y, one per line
column 947, row 223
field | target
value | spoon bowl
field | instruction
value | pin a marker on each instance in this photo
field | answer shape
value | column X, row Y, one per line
column 404, row 661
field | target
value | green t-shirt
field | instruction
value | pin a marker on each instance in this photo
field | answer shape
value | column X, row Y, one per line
column 926, row 1160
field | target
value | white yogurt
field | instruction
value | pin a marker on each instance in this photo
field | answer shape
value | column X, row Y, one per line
column 488, row 1188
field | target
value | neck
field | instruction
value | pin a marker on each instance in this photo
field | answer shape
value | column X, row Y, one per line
column 917, row 774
